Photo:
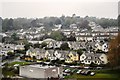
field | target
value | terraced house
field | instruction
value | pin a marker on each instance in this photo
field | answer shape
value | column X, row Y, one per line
column 68, row 56
column 97, row 58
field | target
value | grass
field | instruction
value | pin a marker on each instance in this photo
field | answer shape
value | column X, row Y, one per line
column 100, row 74
column 20, row 63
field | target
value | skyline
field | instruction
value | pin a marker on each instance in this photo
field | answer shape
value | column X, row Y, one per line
column 28, row 9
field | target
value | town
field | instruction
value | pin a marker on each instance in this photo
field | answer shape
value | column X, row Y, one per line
column 39, row 52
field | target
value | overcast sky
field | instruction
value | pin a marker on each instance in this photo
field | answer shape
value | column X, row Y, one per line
column 42, row 8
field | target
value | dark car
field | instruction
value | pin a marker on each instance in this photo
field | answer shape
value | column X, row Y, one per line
column 87, row 72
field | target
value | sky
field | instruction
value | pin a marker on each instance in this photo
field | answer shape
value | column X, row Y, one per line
column 42, row 8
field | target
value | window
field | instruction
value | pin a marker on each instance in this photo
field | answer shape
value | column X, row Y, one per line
column 82, row 56
column 95, row 57
column 95, row 61
column 88, row 61
column 103, row 62
column 89, row 57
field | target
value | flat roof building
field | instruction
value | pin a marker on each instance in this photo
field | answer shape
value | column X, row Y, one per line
column 39, row 71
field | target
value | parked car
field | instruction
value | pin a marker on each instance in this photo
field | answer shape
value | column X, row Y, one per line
column 79, row 71
column 86, row 67
column 67, row 71
column 99, row 67
column 83, row 72
column 87, row 72
column 92, row 73
column 66, row 74
column 73, row 71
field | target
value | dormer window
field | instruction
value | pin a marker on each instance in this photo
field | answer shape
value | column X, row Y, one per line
column 89, row 57
column 95, row 57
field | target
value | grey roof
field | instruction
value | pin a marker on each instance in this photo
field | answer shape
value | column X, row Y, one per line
column 93, row 56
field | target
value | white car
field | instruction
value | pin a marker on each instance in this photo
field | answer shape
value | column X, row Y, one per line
column 67, row 70
column 78, row 72
column 92, row 73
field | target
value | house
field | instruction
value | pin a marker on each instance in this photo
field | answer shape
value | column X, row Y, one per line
column 49, row 54
column 84, row 38
column 74, row 45
column 39, row 71
column 98, row 46
column 54, row 44
column 38, row 53
column 56, row 54
column 19, row 47
column 5, row 48
column 97, row 58
column 101, row 46
column 72, row 57
column 105, row 47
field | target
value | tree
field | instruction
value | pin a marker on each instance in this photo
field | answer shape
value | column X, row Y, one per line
column 119, row 22
column 11, row 54
column 43, row 44
column 64, row 46
column 71, row 38
column 57, row 21
column 14, row 37
column 79, row 52
column 27, row 46
column 37, row 45
column 114, row 52
column 59, row 36
column 84, row 24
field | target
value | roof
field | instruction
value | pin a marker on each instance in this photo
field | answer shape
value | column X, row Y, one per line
column 48, row 40
column 93, row 56
column 40, row 66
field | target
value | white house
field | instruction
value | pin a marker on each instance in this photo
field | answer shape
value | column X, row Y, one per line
column 105, row 47
column 98, row 58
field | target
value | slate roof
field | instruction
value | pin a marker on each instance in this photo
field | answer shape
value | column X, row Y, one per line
column 93, row 56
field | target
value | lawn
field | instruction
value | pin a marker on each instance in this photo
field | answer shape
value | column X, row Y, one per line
column 100, row 75
column 20, row 63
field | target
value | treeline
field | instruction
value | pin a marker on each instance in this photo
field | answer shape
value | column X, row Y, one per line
column 114, row 52
column 49, row 22
column 119, row 22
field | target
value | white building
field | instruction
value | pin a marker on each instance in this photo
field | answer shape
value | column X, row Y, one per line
column 88, row 58
column 39, row 71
